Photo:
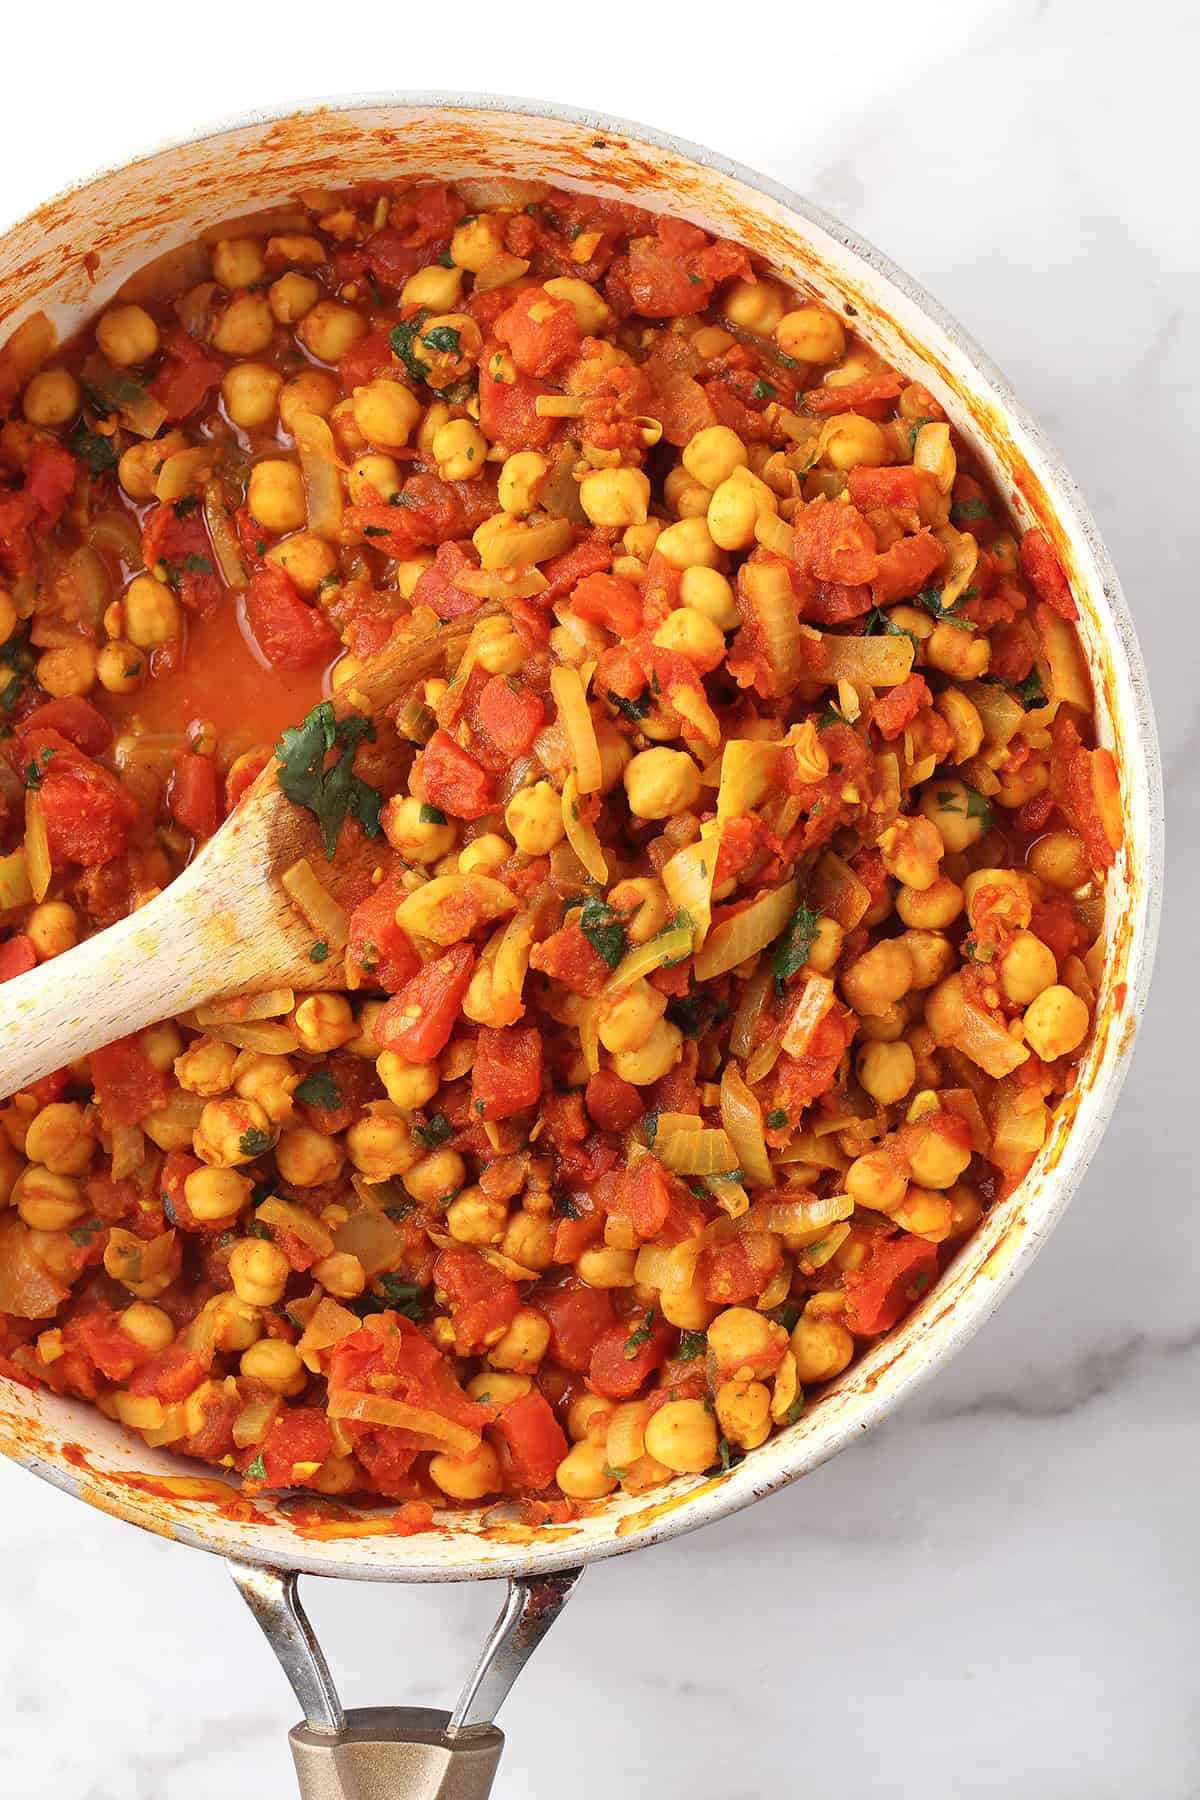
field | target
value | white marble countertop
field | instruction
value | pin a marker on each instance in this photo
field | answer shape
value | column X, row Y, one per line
column 997, row 1593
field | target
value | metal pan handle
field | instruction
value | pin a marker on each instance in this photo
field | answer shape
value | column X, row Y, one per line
column 402, row 1752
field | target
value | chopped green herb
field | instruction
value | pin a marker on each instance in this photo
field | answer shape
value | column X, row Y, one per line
column 603, row 930
column 401, row 339
column 792, row 948
column 831, row 715
column 169, row 1213
column 480, row 1106
column 971, row 508
column 613, row 1474
column 258, row 1230
column 877, row 623
column 919, row 1281
column 650, row 1127
column 435, row 1131
column 566, row 1207
column 776, row 1119
column 632, row 709
column 256, row 1471
column 913, row 430
column 691, row 1345
column 979, row 808
column 443, row 338
column 725, row 1452
column 695, row 279
column 391, row 1293
column 83, row 1234
column 375, row 530
column 931, row 600
column 96, row 452
column 319, row 951
column 319, row 1089
column 431, row 815
column 335, row 792
column 787, row 1315
column 974, row 954
column 763, row 390
column 1030, row 692
column 794, row 1410
column 36, row 768
column 254, row 1142
column 188, row 503
column 445, row 258
column 639, row 1335
column 191, row 564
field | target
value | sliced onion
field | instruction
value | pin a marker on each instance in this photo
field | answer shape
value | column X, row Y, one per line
column 748, row 932
column 791, row 1217
column 835, row 889
column 1020, row 1131
column 652, row 1265
column 14, row 880
column 498, row 271
column 688, row 879
column 377, row 1409
column 183, row 470
column 741, row 1116
column 691, row 703
column 768, row 590
column 826, row 1247
column 240, row 1008
column 812, row 1003
column 223, row 537
column 1002, row 715
column 116, row 532
column 963, row 552
column 315, row 904
column 576, row 720
column 1070, row 683
column 118, row 391
column 167, row 275
column 988, row 1044
column 962, row 1102
column 267, row 1036
column 748, row 772
column 764, row 1058
column 28, row 1290
column 581, row 834
column 450, row 907
column 329, row 1324
column 882, row 661
column 322, row 477
column 37, row 845
column 371, row 1236
column 255, row 1420
column 501, row 584
column 729, row 1194
column 589, row 1036
column 669, row 946
column 301, row 1224
column 807, row 1147
column 128, row 1150
column 702, row 1152
column 625, row 1440
column 173, row 1427
column 483, row 192
column 749, row 1009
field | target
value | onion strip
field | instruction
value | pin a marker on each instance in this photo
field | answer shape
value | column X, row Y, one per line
column 315, row 904
column 812, row 1003
column 322, row 478
column 748, row 770
column 881, row 661
column 377, row 1409
column 37, row 845
column 576, row 720
column 688, row 879
column 581, row 833
column 223, row 537
column 742, row 1118
column 669, row 946
column 748, row 932
column 702, row 1152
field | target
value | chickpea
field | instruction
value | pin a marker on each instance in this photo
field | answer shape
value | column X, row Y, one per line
column 214, row 1194
column 476, row 240
column 1002, row 894
column 964, row 655
column 494, row 1387
column 269, row 1080
column 745, row 1343
column 161, row 1044
column 911, row 851
column 932, row 957
column 245, row 327
column 385, row 412
column 884, row 1027
column 306, row 559
column 756, row 306
column 52, row 398
column 534, row 818
column 523, row 1345
column 52, row 928
column 629, row 1015
column 529, row 1240
column 276, row 495
column 238, row 262
column 685, row 497
column 120, row 667
column 435, row 1177
column 341, row 1275
column 312, row 391
column 882, row 975
column 324, row 1022
column 690, row 634
column 962, row 716
column 848, row 441
column 47, row 1202
column 372, row 478
column 68, row 669
column 593, row 314
column 957, row 811
column 127, row 335
column 932, row 908
column 467, row 1477
column 615, row 752
column 259, row 1271
column 887, row 1071
column 434, row 287
column 583, row 1472
column 331, row 329
column 61, row 1137
column 875, row 1181
column 615, row 496
column 654, row 1059
column 151, row 613
column 606, row 1267
column 682, row 1435
column 644, row 906
column 826, row 946
column 735, row 509
column 307, row 1158
column 711, row 456
column 149, row 1326
column 417, row 837
column 380, row 1147
column 250, row 391
column 520, row 481
column 822, row 1348
column 276, row 1364
column 660, row 783
column 206, row 1067
column 965, row 1210
column 936, row 1159
column 293, row 297
column 460, row 450
column 139, row 467
column 688, row 544
column 408, row 1085
column 229, row 1131
column 1056, row 1023
column 744, row 1412
column 1027, row 969
column 811, row 334
column 709, row 593
column 1019, row 785
column 484, row 855
column 926, row 1214
column 1060, row 860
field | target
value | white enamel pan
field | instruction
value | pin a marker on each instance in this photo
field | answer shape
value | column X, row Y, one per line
column 125, row 216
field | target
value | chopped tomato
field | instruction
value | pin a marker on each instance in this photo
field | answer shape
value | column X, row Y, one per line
column 1087, row 788
column 186, row 375
column 127, row 1084
column 628, row 1354
column 614, row 1104
column 642, row 1197
column 193, row 799
column 447, row 776
column 483, row 1303
column 298, row 1434
column 578, row 1316
column 111, row 1349
column 507, row 1073
column 508, row 411
column 863, row 395
column 170, row 1375
column 74, row 718
column 289, row 632
column 906, row 568
column 17, row 956
column 382, row 950
column 389, row 1354
column 739, row 1270
column 894, row 710
column 174, row 538
column 89, row 813
column 835, row 543
column 1043, row 571
column 896, row 1271
column 611, row 601
column 532, row 1440
column 569, row 568
column 568, row 957
column 541, row 332
column 417, row 1021
column 435, row 587
column 511, row 715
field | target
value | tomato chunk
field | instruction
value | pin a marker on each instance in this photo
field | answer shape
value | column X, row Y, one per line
column 417, row 1021
column 507, row 1075
column 611, row 601
column 127, row 1084
column 541, row 332
column 614, row 1104
column 194, row 801
column 382, row 950
column 628, row 1354
column 511, row 715
column 447, row 776
column 895, row 1273
column 532, row 1439
column 578, row 1317
column 289, row 633
column 17, row 956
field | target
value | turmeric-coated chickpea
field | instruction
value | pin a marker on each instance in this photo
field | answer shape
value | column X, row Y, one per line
column 149, row 1326
column 881, row 976
column 688, row 633
column 213, row 1194
column 47, row 1202
column 956, row 809
column 409, row 829
column 661, row 782
column 615, row 496
column 52, row 928
column 523, row 1345
column 245, row 327
column 756, row 306
column 628, row 1016
column 962, row 654
column 68, row 669
column 380, row 1147
column 709, row 593
column 238, row 262
column 459, row 450
column 331, row 329
column 275, row 495
column 534, row 820
column 468, row 1477
column 250, row 391
column 603, row 1266
column 52, row 398
column 932, row 908
column 684, row 496
column 231, row 1132
column 340, row 1274
column 308, row 1158
column 484, row 855
column 743, row 1411
column 593, row 314
column 324, row 1022
column 822, row 1348
column 745, row 1342
column 688, row 544
column 653, row 1059
column 267, row 1079
column 293, row 297
column 206, row 1067
column 521, row 478
column 306, row 559
column 811, row 334
column 735, row 509
column 911, row 850
column 682, row 1435
column 476, row 240
column 848, row 441
column 1056, row 1023
column 583, row 1472
column 926, row 1213
column 161, row 1044
column 643, row 904
column 711, row 455
column 1027, row 968
column 276, row 1364
column 1060, row 860
column 140, row 465
column 312, row 391
column 529, row 1240
column 408, row 1085
column 127, row 335
column 936, row 1158
column 120, row 667
column 932, row 957
column 434, row 287
column 435, row 1177
column 62, row 1137
column 259, row 1271
column 151, row 613
column 887, row 1071
column 826, row 946
column 876, row 1181
column 372, row 478
column 385, row 412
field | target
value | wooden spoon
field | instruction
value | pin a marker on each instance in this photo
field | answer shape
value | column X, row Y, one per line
column 224, row 926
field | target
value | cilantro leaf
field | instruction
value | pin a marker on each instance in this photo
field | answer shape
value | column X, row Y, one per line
column 443, row 338
column 913, row 429
column 877, row 622
column 831, row 715
column 319, row 1089
column 256, row 1471
column 931, row 599
column 319, row 951
column 650, row 1127
column 566, row 1207
column 792, row 947
column 431, row 815
column 254, row 1142
column 972, row 507
column 639, row 1335
column 391, row 1293
column 36, row 768
column 691, row 1345
column 786, row 1314
column 603, row 930
column 632, row 709
column 794, row 1410
column 83, row 1234
column 332, row 792
column 401, row 339
column 97, row 453
column 1030, row 692
column 979, row 808
column 763, row 390
column 435, row 1131
column 776, row 1119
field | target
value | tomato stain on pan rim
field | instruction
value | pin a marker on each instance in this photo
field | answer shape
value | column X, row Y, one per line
column 132, row 211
